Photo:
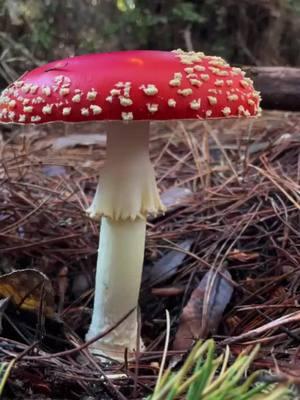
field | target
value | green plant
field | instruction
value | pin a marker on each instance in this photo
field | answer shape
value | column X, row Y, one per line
column 5, row 368
column 204, row 376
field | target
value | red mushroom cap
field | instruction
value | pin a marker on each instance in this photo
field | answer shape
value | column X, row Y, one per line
column 130, row 85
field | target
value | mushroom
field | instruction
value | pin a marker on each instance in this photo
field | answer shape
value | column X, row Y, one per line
column 128, row 90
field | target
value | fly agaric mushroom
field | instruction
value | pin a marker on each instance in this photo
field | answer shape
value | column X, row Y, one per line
column 128, row 90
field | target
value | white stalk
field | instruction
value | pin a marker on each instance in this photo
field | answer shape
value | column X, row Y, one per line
column 118, row 279
column 127, row 192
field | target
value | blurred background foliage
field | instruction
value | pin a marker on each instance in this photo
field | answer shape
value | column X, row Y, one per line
column 257, row 32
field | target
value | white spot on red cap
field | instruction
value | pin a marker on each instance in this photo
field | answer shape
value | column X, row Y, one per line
column 204, row 77
column 244, row 83
column 221, row 72
column 34, row 89
column 26, row 87
column 226, row 111
column 127, row 116
column 195, row 104
column 66, row 111
column 35, row 118
column 27, row 109
column 208, row 113
column 175, row 82
column 243, row 111
column 171, row 103
column 22, row 118
column 177, row 75
column 11, row 115
column 195, row 82
column 124, row 101
column 233, row 97
column 76, row 98
column 127, row 89
column 153, row 108
column 59, row 79
column 19, row 84
column 212, row 100
column 12, row 103
column 91, row 94
column 46, row 90
column 64, row 91
column 185, row 92
column 95, row 109
column 236, row 70
column 115, row 92
column 150, row 89
column 219, row 82
column 199, row 68
column 47, row 109
column 85, row 112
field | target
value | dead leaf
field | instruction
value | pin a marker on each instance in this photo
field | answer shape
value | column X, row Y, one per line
column 78, row 139
column 242, row 256
column 28, row 289
column 175, row 196
column 167, row 291
column 210, row 297
column 63, row 282
column 168, row 265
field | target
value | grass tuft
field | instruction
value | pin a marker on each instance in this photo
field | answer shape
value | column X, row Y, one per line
column 205, row 376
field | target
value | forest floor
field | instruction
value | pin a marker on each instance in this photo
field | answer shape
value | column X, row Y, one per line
column 232, row 191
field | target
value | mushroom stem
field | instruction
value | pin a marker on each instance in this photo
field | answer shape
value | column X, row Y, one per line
column 127, row 187
column 126, row 194
column 118, row 279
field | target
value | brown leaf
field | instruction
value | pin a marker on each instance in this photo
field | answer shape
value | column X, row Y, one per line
column 167, row 291
column 63, row 282
column 242, row 256
column 203, row 313
column 28, row 289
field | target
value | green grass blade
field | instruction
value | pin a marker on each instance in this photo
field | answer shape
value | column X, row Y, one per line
column 5, row 370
